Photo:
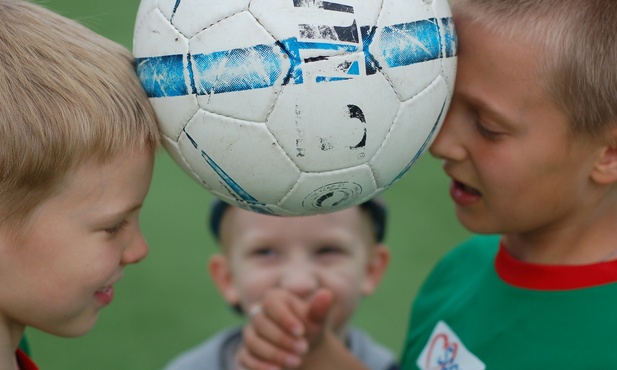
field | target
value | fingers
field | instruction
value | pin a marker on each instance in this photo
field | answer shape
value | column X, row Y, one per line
column 266, row 328
column 284, row 309
column 254, row 311
column 258, row 352
column 248, row 361
column 273, row 336
column 280, row 328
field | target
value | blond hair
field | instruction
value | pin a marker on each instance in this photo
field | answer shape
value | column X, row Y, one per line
column 67, row 96
column 579, row 39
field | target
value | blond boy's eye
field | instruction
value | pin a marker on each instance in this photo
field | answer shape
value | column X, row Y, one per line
column 264, row 252
column 330, row 250
column 486, row 132
column 116, row 229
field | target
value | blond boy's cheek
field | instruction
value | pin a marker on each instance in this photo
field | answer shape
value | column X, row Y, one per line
column 346, row 289
column 253, row 288
column 341, row 314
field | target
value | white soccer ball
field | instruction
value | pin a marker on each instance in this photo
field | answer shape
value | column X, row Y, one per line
column 296, row 107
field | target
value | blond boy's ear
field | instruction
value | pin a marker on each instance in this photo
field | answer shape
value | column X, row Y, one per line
column 605, row 170
column 379, row 258
column 219, row 269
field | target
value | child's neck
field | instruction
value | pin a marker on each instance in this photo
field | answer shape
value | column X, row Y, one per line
column 8, row 360
column 588, row 241
column 10, row 336
column 341, row 335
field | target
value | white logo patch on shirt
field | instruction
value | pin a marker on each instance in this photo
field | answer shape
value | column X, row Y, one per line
column 445, row 351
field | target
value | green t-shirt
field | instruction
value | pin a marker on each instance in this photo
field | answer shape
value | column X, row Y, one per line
column 24, row 345
column 480, row 308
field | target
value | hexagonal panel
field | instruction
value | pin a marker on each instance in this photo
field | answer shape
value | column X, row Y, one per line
column 145, row 7
column 175, row 152
column 335, row 122
column 236, row 61
column 330, row 191
column 160, row 52
column 193, row 16
column 408, row 46
column 155, row 36
column 412, row 132
column 317, row 27
column 173, row 113
column 237, row 157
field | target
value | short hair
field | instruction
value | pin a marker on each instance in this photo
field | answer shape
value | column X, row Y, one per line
column 375, row 208
column 67, row 96
column 580, row 42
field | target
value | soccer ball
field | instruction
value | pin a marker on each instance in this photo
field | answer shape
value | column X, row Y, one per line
column 296, row 107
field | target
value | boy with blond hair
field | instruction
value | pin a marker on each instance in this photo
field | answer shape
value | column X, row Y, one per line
column 77, row 142
column 340, row 251
column 530, row 143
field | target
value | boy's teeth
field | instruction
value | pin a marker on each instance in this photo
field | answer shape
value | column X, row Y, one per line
column 468, row 189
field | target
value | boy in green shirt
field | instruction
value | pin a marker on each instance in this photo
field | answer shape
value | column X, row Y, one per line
column 530, row 143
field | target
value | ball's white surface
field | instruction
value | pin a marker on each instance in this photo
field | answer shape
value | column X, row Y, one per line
column 296, row 107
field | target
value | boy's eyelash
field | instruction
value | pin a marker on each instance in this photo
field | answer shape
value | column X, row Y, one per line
column 263, row 251
column 330, row 249
column 115, row 230
column 486, row 132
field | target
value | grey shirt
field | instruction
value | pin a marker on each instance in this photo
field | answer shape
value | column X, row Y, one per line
column 218, row 353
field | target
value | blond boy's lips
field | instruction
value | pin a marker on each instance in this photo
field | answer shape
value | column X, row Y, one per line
column 459, row 188
column 463, row 194
column 105, row 296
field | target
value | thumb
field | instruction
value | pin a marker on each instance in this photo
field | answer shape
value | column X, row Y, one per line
column 318, row 309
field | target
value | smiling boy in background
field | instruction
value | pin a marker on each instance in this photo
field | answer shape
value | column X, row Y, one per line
column 340, row 251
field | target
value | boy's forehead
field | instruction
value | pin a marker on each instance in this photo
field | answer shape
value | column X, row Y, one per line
column 489, row 60
column 237, row 222
column 373, row 216
column 244, row 218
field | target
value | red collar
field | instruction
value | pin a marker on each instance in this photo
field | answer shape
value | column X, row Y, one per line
column 24, row 362
column 553, row 277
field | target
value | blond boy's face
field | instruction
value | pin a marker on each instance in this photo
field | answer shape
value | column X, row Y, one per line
column 62, row 272
column 506, row 145
column 301, row 254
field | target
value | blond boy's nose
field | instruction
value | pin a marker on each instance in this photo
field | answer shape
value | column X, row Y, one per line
column 300, row 280
column 447, row 144
column 136, row 251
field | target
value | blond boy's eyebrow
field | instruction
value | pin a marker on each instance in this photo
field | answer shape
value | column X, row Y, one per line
column 477, row 102
column 133, row 208
column 126, row 211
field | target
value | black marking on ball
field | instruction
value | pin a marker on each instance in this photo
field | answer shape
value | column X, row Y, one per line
column 356, row 112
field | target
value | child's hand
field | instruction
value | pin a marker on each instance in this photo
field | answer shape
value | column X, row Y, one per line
column 282, row 329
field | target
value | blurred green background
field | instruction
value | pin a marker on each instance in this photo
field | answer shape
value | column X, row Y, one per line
column 167, row 303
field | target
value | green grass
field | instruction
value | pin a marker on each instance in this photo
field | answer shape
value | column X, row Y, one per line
column 167, row 303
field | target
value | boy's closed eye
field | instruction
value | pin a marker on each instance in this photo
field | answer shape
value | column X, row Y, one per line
column 491, row 124
column 487, row 133
column 115, row 223
column 330, row 252
column 264, row 253
column 116, row 228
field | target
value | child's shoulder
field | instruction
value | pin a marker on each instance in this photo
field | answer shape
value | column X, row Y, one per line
column 213, row 353
column 373, row 354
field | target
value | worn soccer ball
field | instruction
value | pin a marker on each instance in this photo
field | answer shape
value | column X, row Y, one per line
column 296, row 107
